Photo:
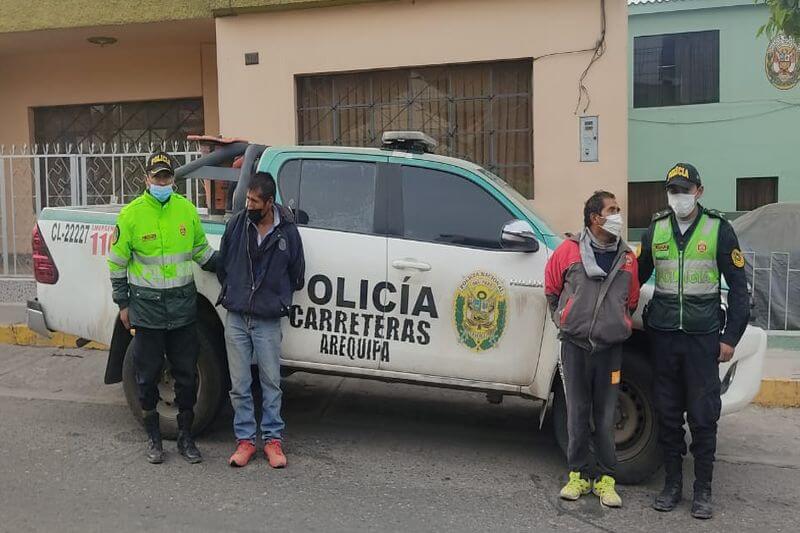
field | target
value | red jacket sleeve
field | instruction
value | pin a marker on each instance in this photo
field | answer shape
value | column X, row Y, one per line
column 566, row 253
column 633, row 294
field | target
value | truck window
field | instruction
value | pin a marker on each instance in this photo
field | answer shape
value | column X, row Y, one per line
column 289, row 184
column 446, row 208
column 330, row 194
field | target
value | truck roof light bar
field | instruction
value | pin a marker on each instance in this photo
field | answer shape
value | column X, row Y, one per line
column 409, row 141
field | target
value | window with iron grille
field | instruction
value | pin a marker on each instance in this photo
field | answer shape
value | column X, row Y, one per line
column 120, row 123
column 480, row 112
column 115, row 132
column 676, row 69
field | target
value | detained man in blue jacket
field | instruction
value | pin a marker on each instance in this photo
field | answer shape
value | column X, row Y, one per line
column 260, row 265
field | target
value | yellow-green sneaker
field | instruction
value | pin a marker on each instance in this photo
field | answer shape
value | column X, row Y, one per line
column 604, row 489
column 575, row 487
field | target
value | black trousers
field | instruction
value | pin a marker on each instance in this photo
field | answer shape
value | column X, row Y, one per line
column 180, row 346
column 687, row 381
column 591, row 385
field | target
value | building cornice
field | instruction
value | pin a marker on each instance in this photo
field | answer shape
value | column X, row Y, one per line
column 24, row 15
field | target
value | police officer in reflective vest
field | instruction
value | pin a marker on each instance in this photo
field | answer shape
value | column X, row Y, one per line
column 690, row 248
column 157, row 238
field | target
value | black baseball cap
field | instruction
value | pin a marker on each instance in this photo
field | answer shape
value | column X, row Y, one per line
column 159, row 162
column 683, row 175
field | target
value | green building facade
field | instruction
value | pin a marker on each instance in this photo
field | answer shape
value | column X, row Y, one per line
column 699, row 92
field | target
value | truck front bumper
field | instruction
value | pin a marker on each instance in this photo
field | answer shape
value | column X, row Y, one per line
column 36, row 319
column 741, row 377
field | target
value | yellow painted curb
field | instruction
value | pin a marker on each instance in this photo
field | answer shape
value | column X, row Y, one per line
column 774, row 392
column 777, row 392
column 22, row 335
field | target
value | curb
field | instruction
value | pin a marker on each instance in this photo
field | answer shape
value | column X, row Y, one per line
column 22, row 335
column 778, row 392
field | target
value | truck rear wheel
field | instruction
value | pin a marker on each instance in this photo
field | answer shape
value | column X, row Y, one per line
column 210, row 377
column 636, row 431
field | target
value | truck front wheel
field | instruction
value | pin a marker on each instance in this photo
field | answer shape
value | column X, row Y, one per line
column 210, row 377
column 635, row 428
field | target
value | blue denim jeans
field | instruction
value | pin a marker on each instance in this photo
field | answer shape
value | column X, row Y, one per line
column 251, row 340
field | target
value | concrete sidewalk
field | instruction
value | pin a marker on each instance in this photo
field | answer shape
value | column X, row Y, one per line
column 780, row 363
column 14, row 330
column 12, row 313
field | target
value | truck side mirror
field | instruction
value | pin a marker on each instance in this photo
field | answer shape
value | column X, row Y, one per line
column 518, row 235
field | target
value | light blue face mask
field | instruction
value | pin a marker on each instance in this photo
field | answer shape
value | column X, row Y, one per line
column 161, row 192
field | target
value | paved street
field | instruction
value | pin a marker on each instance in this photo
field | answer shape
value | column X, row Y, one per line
column 362, row 456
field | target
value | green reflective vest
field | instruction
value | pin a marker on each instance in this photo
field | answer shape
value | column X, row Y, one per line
column 687, row 291
column 151, row 260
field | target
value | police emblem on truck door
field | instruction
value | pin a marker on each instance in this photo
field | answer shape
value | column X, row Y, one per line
column 480, row 311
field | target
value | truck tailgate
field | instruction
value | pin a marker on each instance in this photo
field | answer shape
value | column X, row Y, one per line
column 80, row 302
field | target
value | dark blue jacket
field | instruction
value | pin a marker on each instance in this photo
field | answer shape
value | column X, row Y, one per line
column 260, row 279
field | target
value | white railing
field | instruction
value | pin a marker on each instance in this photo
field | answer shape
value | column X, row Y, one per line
column 771, row 278
column 39, row 176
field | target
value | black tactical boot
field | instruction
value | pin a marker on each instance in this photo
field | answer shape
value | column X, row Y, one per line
column 155, row 453
column 671, row 494
column 701, row 503
column 186, row 446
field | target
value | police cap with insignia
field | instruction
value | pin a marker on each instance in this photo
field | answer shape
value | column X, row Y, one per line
column 159, row 162
column 683, row 175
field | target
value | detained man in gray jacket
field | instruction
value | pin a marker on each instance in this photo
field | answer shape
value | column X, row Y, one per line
column 592, row 287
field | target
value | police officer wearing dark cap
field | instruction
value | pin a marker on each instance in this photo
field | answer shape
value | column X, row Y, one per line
column 157, row 240
column 690, row 248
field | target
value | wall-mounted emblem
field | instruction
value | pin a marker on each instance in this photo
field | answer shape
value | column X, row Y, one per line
column 781, row 62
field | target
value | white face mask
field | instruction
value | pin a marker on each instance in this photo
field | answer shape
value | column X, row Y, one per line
column 682, row 204
column 613, row 224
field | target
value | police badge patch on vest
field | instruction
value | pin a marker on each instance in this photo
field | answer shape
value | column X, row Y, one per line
column 149, row 237
column 182, row 230
column 737, row 258
column 282, row 244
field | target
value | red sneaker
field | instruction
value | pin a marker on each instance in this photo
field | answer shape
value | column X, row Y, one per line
column 274, row 454
column 245, row 451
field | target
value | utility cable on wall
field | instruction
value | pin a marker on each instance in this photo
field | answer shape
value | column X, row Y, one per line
column 597, row 52
column 717, row 120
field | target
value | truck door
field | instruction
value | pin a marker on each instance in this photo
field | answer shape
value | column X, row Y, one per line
column 464, row 307
column 340, row 209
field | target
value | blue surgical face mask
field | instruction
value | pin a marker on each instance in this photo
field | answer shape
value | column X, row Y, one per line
column 161, row 192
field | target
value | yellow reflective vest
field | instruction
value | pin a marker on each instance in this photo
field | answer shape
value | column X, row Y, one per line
column 151, row 259
column 687, row 291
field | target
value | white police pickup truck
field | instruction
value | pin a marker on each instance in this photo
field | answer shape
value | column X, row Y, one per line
column 420, row 269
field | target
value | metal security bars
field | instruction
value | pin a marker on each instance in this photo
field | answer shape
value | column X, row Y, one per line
column 773, row 279
column 39, row 176
column 676, row 69
column 150, row 122
column 481, row 112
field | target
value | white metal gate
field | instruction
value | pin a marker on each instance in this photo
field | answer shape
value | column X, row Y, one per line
column 39, row 176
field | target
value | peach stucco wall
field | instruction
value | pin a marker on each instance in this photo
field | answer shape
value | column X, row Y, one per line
column 258, row 102
column 94, row 75
column 97, row 76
